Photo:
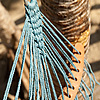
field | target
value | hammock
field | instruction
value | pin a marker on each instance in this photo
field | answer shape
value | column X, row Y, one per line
column 40, row 35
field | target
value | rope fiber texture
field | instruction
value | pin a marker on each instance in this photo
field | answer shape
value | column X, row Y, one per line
column 71, row 17
column 45, row 59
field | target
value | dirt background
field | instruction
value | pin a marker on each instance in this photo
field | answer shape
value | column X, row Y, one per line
column 16, row 11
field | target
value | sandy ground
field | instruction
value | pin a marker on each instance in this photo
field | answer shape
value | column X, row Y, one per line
column 16, row 10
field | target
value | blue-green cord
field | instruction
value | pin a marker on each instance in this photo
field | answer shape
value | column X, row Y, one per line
column 61, row 58
column 51, row 81
column 82, row 93
column 54, row 71
column 54, row 57
column 35, row 34
column 46, row 80
column 22, row 66
column 86, row 94
column 36, row 74
column 88, row 89
column 41, row 68
column 92, row 87
column 31, row 67
column 55, row 41
column 64, row 75
column 14, row 64
column 91, row 80
column 76, row 98
column 92, row 72
column 58, row 66
column 57, row 53
column 58, row 31
column 57, row 62
column 40, row 77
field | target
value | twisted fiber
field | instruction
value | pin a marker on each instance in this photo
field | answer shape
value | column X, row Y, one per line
column 67, row 57
column 60, row 67
column 22, row 66
column 14, row 65
column 71, row 18
column 31, row 68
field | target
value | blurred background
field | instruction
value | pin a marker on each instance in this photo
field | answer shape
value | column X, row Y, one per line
column 11, row 24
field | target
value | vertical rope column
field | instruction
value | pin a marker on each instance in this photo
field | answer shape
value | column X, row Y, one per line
column 72, row 18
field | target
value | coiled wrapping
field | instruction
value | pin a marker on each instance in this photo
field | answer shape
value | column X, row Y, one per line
column 71, row 17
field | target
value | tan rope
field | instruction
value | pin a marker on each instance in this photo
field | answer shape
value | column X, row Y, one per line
column 71, row 17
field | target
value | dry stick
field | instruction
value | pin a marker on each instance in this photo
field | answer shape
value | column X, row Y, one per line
column 12, row 97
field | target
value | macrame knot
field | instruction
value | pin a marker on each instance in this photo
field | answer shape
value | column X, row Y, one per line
column 37, row 23
column 40, row 45
column 30, row 5
column 39, row 41
column 37, row 31
column 32, row 10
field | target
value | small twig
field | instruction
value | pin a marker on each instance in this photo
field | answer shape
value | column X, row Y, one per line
column 12, row 97
column 26, row 2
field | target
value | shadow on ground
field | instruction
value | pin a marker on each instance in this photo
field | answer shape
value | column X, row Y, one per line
column 95, row 66
column 97, row 6
column 95, row 37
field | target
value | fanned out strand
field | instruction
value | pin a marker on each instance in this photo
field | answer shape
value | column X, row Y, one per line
column 84, row 87
column 22, row 66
